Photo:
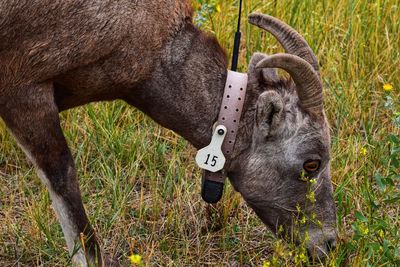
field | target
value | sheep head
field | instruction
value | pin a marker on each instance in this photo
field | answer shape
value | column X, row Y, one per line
column 281, row 161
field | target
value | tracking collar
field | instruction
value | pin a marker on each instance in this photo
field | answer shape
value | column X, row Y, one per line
column 212, row 157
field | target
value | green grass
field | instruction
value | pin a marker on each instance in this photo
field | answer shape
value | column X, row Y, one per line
column 141, row 187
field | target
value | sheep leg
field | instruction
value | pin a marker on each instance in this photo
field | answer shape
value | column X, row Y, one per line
column 32, row 117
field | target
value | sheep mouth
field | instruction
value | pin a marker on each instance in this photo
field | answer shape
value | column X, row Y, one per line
column 321, row 243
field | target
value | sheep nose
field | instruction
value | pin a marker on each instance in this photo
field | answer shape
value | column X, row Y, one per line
column 330, row 244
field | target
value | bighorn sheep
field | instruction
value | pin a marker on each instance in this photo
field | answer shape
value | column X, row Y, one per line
column 56, row 55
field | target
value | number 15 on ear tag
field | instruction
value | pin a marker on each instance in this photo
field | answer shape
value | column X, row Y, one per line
column 211, row 157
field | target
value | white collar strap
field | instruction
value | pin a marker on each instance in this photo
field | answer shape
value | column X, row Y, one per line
column 209, row 158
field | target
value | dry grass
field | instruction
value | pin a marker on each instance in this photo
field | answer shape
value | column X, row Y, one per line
column 141, row 187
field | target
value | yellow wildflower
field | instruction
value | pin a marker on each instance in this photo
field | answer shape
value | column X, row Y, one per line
column 266, row 264
column 381, row 233
column 313, row 181
column 364, row 229
column 303, row 220
column 302, row 257
column 135, row 259
column 387, row 87
column 363, row 151
column 279, row 249
column 218, row 8
column 311, row 197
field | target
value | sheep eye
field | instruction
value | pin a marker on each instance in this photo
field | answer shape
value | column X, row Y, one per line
column 311, row 166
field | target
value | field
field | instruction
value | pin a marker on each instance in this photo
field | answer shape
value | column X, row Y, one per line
column 141, row 187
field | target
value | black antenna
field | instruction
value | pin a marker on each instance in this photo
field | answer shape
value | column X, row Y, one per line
column 236, row 45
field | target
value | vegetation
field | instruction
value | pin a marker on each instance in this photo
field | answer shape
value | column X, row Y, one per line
column 141, row 187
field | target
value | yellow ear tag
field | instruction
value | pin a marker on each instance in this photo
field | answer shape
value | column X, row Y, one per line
column 211, row 157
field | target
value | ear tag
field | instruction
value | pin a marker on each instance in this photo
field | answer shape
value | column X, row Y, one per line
column 211, row 157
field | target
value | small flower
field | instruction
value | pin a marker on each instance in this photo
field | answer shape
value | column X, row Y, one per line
column 311, row 197
column 363, row 151
column 364, row 229
column 387, row 87
column 266, row 264
column 301, row 258
column 280, row 229
column 135, row 259
column 279, row 249
column 218, row 8
column 381, row 233
column 313, row 181
column 303, row 220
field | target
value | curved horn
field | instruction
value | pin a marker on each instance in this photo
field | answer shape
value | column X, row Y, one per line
column 291, row 40
column 308, row 85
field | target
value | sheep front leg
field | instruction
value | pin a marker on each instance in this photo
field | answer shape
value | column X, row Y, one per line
column 31, row 115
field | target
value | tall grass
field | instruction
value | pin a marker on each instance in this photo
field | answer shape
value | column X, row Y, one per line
column 141, row 187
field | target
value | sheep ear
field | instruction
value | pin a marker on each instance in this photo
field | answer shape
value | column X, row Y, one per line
column 269, row 113
column 267, row 76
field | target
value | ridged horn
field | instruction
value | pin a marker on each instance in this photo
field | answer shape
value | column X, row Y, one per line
column 290, row 39
column 308, row 84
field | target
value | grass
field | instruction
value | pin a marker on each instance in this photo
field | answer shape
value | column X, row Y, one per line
column 141, row 187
